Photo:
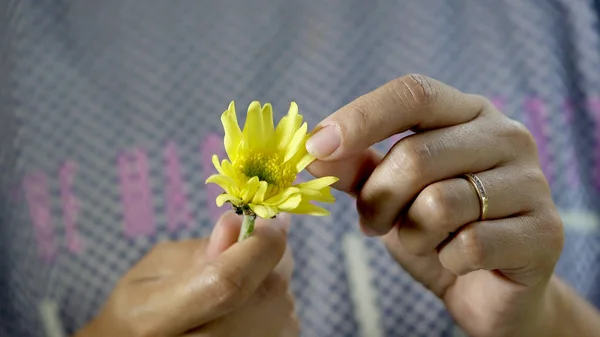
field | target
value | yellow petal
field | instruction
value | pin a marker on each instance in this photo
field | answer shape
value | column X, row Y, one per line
column 254, row 126
column 250, row 189
column 302, row 158
column 265, row 212
column 259, row 197
column 223, row 198
column 268, row 127
column 317, row 184
column 290, row 203
column 281, row 197
column 287, row 127
column 322, row 195
column 326, row 195
column 296, row 142
column 228, row 169
column 225, row 182
column 304, row 162
column 215, row 161
column 233, row 134
column 309, row 209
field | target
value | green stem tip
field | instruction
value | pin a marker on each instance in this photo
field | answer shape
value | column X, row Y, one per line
column 248, row 221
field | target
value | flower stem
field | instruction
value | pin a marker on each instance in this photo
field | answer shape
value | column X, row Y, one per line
column 247, row 226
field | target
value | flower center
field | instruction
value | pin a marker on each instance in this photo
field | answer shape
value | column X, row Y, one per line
column 268, row 167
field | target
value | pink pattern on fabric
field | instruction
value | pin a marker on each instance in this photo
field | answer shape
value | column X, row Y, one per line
column 70, row 206
column 537, row 122
column 594, row 106
column 177, row 207
column 136, row 197
column 572, row 165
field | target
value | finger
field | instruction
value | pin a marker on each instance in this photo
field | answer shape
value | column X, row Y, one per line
column 224, row 234
column 409, row 102
column 427, row 269
column 421, row 159
column 443, row 207
column 524, row 249
column 352, row 171
column 225, row 282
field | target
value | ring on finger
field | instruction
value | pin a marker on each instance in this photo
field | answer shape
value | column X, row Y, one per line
column 481, row 193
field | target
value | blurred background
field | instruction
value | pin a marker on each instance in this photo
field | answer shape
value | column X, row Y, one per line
column 109, row 113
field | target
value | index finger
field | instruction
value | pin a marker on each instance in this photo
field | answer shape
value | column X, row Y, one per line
column 409, row 102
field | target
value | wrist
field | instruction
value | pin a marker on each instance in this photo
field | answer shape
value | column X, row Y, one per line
column 567, row 314
column 547, row 313
column 552, row 320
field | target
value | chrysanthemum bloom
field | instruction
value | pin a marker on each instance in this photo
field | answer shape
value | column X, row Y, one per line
column 258, row 179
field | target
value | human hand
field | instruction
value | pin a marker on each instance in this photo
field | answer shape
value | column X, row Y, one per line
column 492, row 274
column 206, row 287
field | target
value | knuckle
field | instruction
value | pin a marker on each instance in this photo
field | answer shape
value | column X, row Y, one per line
column 471, row 248
column 359, row 118
column 435, row 205
column 518, row 127
column 416, row 89
column 411, row 158
column 484, row 102
column 536, row 180
column 554, row 229
column 228, row 286
column 518, row 133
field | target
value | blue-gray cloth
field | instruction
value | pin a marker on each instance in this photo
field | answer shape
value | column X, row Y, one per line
column 91, row 89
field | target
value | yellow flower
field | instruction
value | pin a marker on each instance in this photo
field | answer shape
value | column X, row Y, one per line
column 263, row 164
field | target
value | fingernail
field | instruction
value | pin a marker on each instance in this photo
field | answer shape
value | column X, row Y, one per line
column 283, row 220
column 324, row 142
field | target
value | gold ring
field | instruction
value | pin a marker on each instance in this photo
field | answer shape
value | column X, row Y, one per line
column 483, row 198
